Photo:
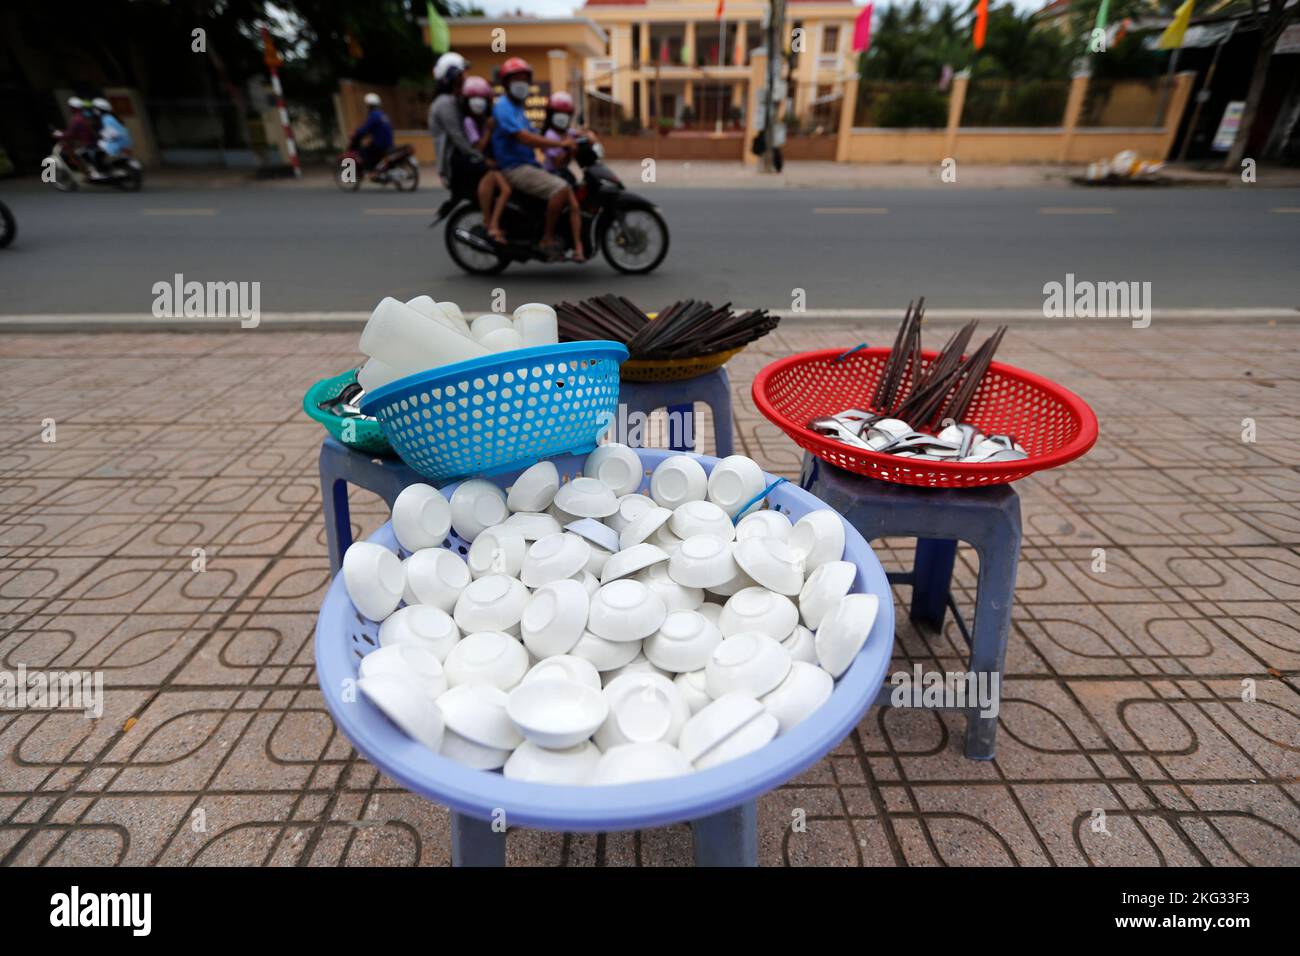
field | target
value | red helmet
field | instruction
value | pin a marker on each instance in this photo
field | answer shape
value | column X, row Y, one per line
column 560, row 103
column 476, row 86
column 516, row 64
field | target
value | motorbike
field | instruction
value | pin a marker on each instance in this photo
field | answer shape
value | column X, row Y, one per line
column 626, row 228
column 8, row 226
column 398, row 167
column 71, row 171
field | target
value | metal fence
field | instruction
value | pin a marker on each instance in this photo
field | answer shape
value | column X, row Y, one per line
column 900, row 105
column 1011, row 103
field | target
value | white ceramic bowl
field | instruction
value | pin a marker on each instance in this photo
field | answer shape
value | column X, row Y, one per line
column 477, row 712
column 684, row 642
column 472, row 755
column 631, row 560
column 823, row 589
column 557, row 714
column 625, row 610
column 819, row 537
column 497, row 550
column 616, row 466
column 644, row 707
column 492, row 603
column 676, row 597
column 410, row 661
column 427, row 627
column 701, row 517
column 553, row 558
column 630, row 507
column 475, row 506
column 374, row 580
column 694, row 688
column 735, row 585
column 703, row 561
column 597, row 561
column 637, row 665
column 844, row 630
column 633, row 763
column 664, row 538
column 572, row 767
column 735, row 482
column 405, row 704
column 533, row 525
column 421, row 517
column 590, row 583
column 771, row 563
column 716, row 722
column 759, row 732
column 565, row 667
column 555, row 617
column 486, row 658
column 802, row 645
column 764, row 524
column 804, row 689
column 605, row 655
column 712, row 613
column 761, row 610
column 586, row 498
column 435, row 577
column 596, row 533
column 646, row 523
column 534, row 489
column 750, row 663
column 677, row 480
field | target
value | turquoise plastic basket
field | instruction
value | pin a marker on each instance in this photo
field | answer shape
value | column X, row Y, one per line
column 502, row 411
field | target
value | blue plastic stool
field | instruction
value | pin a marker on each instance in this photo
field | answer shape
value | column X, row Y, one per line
column 341, row 466
column 987, row 518
column 712, row 388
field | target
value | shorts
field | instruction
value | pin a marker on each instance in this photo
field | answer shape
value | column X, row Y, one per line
column 534, row 181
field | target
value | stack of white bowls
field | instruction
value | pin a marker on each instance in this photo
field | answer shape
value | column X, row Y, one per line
column 595, row 635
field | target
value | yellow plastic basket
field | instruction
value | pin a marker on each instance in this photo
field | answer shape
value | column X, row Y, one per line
column 675, row 370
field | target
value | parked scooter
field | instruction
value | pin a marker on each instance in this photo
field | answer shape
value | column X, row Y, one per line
column 8, row 226
column 625, row 227
column 398, row 167
column 71, row 171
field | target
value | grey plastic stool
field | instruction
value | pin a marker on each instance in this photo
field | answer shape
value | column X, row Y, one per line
column 711, row 388
column 987, row 518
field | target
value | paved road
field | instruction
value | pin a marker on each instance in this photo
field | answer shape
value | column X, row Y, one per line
column 317, row 249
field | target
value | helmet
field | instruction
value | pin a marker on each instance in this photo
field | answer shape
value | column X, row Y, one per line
column 476, row 86
column 448, row 67
column 76, row 103
column 372, row 99
column 516, row 64
column 560, row 103
column 101, row 104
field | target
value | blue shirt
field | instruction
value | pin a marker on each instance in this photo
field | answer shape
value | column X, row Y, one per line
column 511, row 119
column 378, row 129
column 113, row 136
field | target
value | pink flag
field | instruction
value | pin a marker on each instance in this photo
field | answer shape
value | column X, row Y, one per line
column 862, row 30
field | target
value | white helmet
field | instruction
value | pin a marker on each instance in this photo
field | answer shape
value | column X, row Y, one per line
column 101, row 104
column 76, row 103
column 446, row 64
column 372, row 99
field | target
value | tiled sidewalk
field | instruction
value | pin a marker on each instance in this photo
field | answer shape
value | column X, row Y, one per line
column 1124, row 692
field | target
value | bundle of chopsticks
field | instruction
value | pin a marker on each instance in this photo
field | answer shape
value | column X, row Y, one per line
column 685, row 329
column 925, row 395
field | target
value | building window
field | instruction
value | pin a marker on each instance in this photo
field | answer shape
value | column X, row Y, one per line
column 636, row 45
column 830, row 39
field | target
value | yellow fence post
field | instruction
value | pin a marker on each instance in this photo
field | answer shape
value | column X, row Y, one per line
column 1073, row 109
column 848, row 111
column 956, row 103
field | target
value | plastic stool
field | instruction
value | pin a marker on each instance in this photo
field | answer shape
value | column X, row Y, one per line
column 729, row 838
column 711, row 388
column 987, row 518
column 341, row 466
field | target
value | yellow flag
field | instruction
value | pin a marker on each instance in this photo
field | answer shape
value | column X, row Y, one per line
column 1172, row 38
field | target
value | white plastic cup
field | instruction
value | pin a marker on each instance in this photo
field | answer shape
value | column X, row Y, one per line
column 489, row 322
column 409, row 342
column 452, row 311
column 537, row 324
column 375, row 374
column 502, row 340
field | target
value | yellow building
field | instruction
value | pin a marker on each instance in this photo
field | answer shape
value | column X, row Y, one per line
column 678, row 60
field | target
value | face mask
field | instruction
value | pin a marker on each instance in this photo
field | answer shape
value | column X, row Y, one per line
column 519, row 90
column 477, row 104
column 560, row 121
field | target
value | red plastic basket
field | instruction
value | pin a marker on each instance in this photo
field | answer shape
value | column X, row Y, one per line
column 1052, row 423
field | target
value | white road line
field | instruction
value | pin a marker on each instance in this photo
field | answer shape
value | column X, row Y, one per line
column 177, row 211
column 399, row 211
column 850, row 211
column 1287, row 209
column 1077, row 211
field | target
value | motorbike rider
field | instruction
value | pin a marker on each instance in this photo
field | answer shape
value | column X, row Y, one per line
column 373, row 138
column 493, row 190
column 446, row 124
column 114, row 137
column 559, row 128
column 514, row 140
column 80, row 137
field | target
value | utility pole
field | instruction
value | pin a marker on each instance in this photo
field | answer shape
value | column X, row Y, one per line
column 775, row 52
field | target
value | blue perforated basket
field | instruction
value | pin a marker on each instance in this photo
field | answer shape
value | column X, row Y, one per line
column 502, row 411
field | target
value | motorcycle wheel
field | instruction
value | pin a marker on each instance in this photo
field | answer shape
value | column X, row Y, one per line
column 64, row 179
column 473, row 261
column 348, row 186
column 8, row 226
column 131, row 179
column 636, row 242
column 406, row 176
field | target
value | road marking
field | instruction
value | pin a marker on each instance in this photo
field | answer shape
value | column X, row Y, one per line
column 850, row 211
column 402, row 211
column 1076, row 211
column 177, row 211
column 1286, row 209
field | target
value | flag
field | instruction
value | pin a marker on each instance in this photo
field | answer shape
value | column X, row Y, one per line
column 1172, row 38
column 1101, row 15
column 981, row 23
column 439, row 35
column 664, row 55
column 686, row 55
column 862, row 30
column 721, row 5
column 271, row 58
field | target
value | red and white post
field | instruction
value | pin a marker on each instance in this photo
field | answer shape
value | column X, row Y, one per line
column 272, row 65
